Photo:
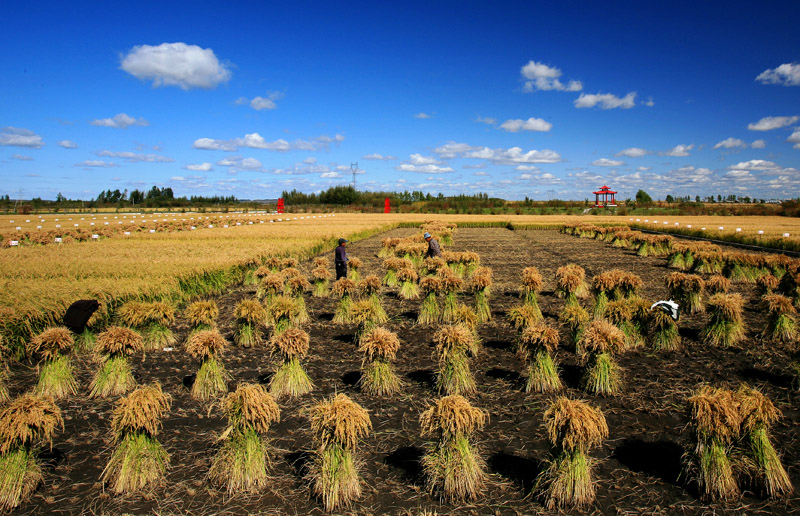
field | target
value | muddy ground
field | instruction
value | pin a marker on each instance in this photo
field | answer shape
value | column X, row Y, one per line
column 637, row 468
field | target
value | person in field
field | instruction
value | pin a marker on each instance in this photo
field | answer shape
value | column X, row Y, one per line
column 340, row 259
column 434, row 249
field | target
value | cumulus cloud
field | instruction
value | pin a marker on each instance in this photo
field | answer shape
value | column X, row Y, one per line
column 236, row 163
column 199, row 167
column 486, row 120
column 452, row 149
column 604, row 162
column 132, row 157
column 772, row 122
column 176, row 64
column 632, row 152
column 211, row 144
column 256, row 141
column 730, row 143
column 679, row 151
column 423, row 169
column 531, row 124
column 330, row 175
column 512, row 156
column 419, row 159
column 758, row 144
column 422, row 115
column 96, row 163
column 606, row 101
column 119, row 121
column 378, row 157
column 18, row 137
column 67, row 144
column 539, row 76
column 261, row 103
column 310, row 160
column 795, row 138
column 21, row 157
column 787, row 74
column 755, row 164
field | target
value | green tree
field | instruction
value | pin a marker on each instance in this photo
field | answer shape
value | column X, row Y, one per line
column 643, row 198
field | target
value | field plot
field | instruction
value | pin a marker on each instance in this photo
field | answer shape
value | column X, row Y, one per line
column 637, row 467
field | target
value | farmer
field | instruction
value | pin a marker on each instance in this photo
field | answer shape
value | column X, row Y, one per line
column 340, row 259
column 433, row 246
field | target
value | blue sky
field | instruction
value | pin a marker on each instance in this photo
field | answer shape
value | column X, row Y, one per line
column 513, row 99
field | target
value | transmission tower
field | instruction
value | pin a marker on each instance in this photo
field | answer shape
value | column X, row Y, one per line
column 354, row 169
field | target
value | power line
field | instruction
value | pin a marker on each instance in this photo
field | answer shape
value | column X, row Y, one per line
column 354, row 169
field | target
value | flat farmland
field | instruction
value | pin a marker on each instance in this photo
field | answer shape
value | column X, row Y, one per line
column 637, row 468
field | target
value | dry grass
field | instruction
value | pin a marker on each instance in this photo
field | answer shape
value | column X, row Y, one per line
column 250, row 311
column 574, row 425
column 379, row 344
column 141, row 411
column 292, row 343
column 571, row 282
column 118, row 341
column 202, row 314
column 206, row 343
column 603, row 337
column 51, row 344
column 339, row 420
column 250, row 406
column 28, row 420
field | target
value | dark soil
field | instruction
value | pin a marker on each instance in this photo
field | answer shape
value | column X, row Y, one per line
column 637, row 469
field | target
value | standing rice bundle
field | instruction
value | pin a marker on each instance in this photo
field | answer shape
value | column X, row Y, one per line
column 481, row 284
column 257, row 275
column 715, row 419
column 601, row 341
column 364, row 316
column 270, row 287
column 450, row 285
column 627, row 285
column 575, row 317
column 26, row 424
column 429, row 310
column 602, row 286
column 283, row 313
column 717, row 284
column 274, row 263
column 240, row 465
column 782, row 320
column 469, row 261
column 380, row 347
column 766, row 471
column 412, row 252
column 370, row 287
column 681, row 256
column 432, row 266
column 392, row 265
column 295, row 287
column 573, row 427
column 571, row 283
column 523, row 316
column 202, row 315
column 322, row 277
column 343, row 288
column 321, row 261
column 152, row 320
column 408, row 284
column 708, row 262
column 289, row 263
column 387, row 247
column 532, row 284
column 725, row 327
column 290, row 379
column 622, row 314
column 115, row 376
column 139, row 460
column 250, row 317
column 452, row 345
column 452, row 466
column 663, row 334
column 537, row 343
column 338, row 424
column 53, row 347
column 767, row 284
column 211, row 379
column 687, row 290
column 354, row 264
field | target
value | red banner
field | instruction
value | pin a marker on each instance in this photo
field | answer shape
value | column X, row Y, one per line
column 280, row 205
column 386, row 206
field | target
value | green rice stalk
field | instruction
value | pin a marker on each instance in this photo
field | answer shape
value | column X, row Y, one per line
column 248, row 335
column 663, row 332
column 85, row 341
column 722, row 334
column 20, row 475
column 390, row 278
column 408, row 290
column 450, row 307
column 715, row 477
column 302, row 311
column 600, row 304
column 566, row 482
column 379, row 313
column 335, row 477
column 211, row 380
column 240, row 466
column 575, row 318
column 113, row 379
column 56, row 378
column 342, row 314
column 158, row 336
column 379, row 379
column 454, row 375
column 290, row 380
column 429, row 310
column 781, row 328
column 320, row 287
column 602, row 376
column 454, row 470
column 138, row 462
column 482, row 309
column 769, row 470
column 542, row 374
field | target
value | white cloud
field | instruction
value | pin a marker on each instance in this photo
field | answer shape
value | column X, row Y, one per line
column 261, row 103
column 310, row 160
column 772, row 122
column 633, row 152
column 67, row 144
column 250, row 164
column 423, row 169
column 539, row 76
column 512, row 156
column 486, row 120
column 422, row 115
column 480, row 174
column 419, row 159
column 199, row 167
column 21, row 157
column 527, row 167
column 758, row 144
column 119, row 121
column 330, row 175
column 210, row 144
column 649, row 102
column 378, row 157
column 96, row 163
column 531, row 124
column 679, row 151
column 643, row 169
column 132, row 157
column 755, row 164
column 18, row 137
column 730, row 143
column 176, row 64
column 236, row 163
column 604, row 162
column 525, row 176
column 795, row 138
column 606, row 101
column 452, row 149
column 256, row 141
column 787, row 74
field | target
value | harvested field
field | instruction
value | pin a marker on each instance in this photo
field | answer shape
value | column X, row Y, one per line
column 637, row 467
